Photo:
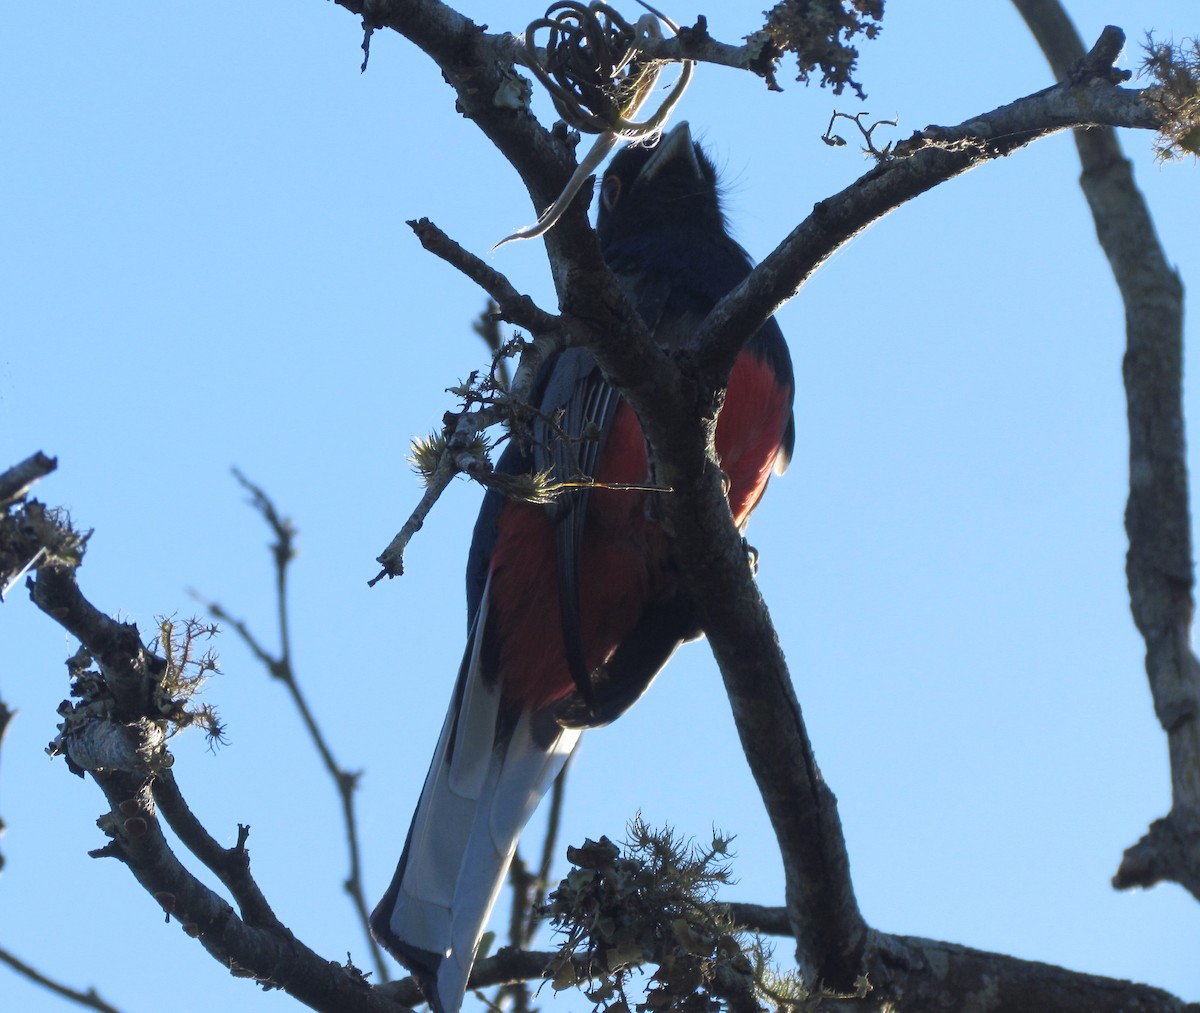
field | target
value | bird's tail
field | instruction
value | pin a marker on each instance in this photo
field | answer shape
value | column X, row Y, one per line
column 490, row 771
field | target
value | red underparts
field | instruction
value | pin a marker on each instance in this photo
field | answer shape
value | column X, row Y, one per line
column 622, row 567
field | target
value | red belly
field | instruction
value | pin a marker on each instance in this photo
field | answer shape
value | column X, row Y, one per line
column 623, row 552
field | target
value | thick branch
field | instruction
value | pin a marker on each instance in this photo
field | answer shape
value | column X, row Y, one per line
column 930, row 157
column 267, row 955
column 481, row 69
column 922, row 974
column 677, row 408
column 15, row 482
column 122, row 748
column 1157, row 518
column 919, row 974
column 803, row 811
column 130, row 671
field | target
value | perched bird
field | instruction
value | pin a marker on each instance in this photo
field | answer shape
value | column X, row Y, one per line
column 573, row 608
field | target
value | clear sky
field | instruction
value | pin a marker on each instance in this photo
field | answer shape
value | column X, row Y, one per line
column 205, row 264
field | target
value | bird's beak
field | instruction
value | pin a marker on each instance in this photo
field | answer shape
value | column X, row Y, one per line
column 674, row 146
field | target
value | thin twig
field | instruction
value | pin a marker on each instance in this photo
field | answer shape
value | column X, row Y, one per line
column 549, row 847
column 460, row 456
column 513, row 306
column 280, row 667
column 515, row 995
column 392, row 558
column 529, row 892
column 90, row 998
column 487, row 326
column 6, row 716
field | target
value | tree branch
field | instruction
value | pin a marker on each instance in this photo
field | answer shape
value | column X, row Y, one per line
column 271, row 957
column 461, row 451
column 131, row 673
column 123, row 749
column 921, row 974
column 824, row 914
column 904, row 972
column 507, row 967
column 17, row 480
column 6, row 716
column 231, row 865
column 930, row 157
column 90, row 998
column 678, row 407
column 281, row 668
column 1158, row 516
column 514, row 307
column 481, row 70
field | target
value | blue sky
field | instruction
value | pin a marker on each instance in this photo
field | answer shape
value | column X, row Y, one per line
column 206, row 265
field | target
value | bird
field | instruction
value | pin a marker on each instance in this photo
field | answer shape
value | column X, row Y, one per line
column 573, row 608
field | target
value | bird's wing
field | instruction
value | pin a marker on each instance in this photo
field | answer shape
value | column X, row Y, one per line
column 576, row 414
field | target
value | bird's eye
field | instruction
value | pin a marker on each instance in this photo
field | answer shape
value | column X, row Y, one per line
column 610, row 192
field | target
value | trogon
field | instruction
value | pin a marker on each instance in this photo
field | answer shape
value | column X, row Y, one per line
column 573, row 608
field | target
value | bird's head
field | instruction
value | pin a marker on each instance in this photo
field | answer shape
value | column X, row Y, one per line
column 671, row 185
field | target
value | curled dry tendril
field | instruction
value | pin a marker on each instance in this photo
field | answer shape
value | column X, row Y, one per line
column 594, row 68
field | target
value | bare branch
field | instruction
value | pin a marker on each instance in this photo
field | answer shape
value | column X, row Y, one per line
column 928, row 158
column 231, row 865
column 89, row 999
column 480, row 67
column 392, row 558
column 265, row 954
column 280, row 667
column 759, row 55
column 513, row 306
column 17, row 480
column 549, row 850
column 131, row 672
column 124, row 751
column 925, row 972
column 6, row 716
column 1158, row 517
column 462, row 453
column 678, row 408
column 506, row 967
column 803, row 811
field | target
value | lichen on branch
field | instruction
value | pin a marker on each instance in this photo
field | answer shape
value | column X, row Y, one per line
column 651, row 902
column 818, row 33
column 1175, row 69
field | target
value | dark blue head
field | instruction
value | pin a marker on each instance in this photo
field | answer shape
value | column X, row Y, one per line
column 670, row 186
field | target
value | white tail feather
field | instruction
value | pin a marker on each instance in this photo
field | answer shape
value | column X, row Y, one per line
column 478, row 796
